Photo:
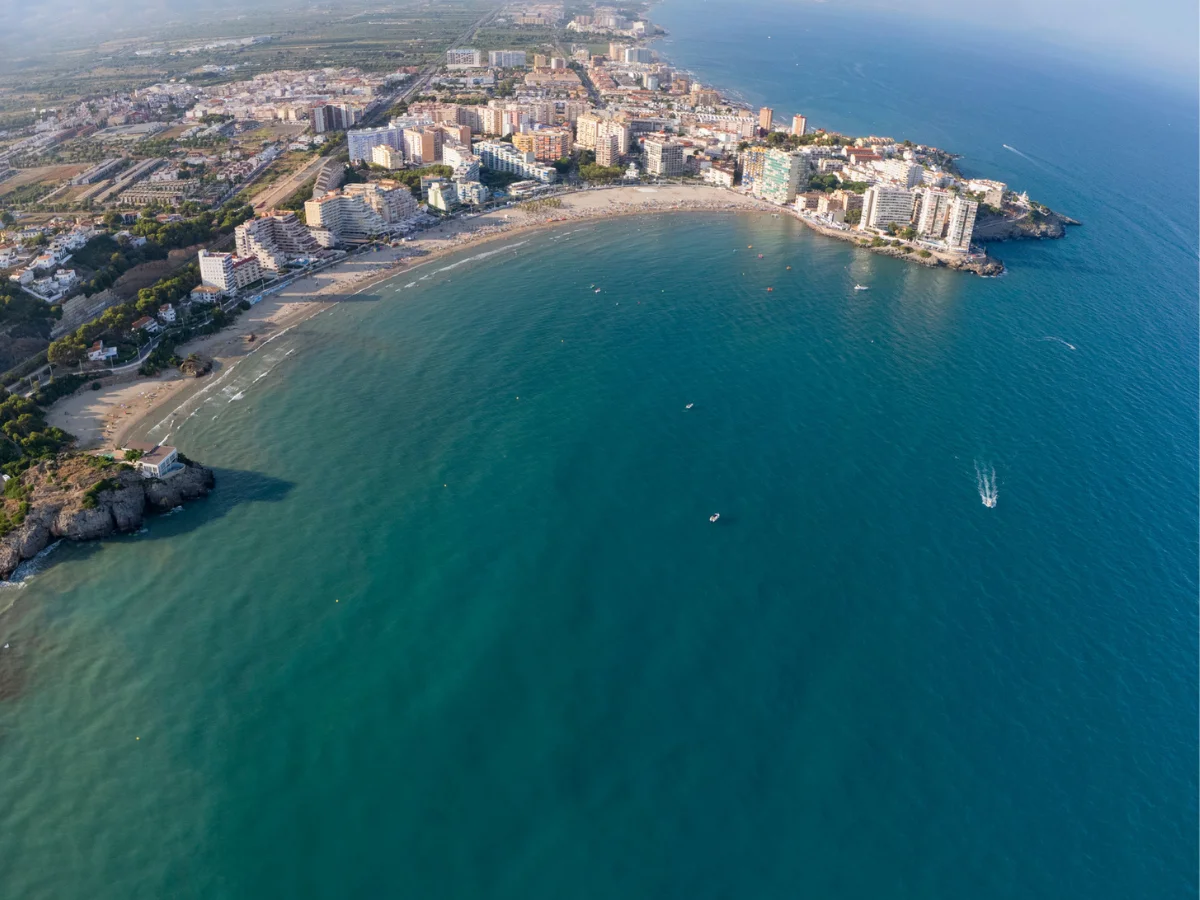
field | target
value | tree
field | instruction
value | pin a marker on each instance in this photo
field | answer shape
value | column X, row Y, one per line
column 602, row 174
column 113, row 220
column 66, row 351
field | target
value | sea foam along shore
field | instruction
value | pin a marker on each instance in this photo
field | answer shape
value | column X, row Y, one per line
column 140, row 408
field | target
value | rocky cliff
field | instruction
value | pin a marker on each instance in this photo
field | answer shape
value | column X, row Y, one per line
column 82, row 498
column 1020, row 225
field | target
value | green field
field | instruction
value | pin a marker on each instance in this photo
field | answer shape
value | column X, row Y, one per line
column 303, row 37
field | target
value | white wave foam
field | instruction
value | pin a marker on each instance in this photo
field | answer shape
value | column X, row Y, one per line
column 985, row 483
column 30, row 567
column 1061, row 341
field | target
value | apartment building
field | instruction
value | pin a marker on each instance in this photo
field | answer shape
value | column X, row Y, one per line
column 960, row 224
column 883, row 206
column 901, row 171
column 387, row 157
column 506, row 59
column 273, row 239
column 546, row 144
column 347, row 218
column 227, row 272
column 935, row 207
column 506, row 158
column 464, row 56
column 782, row 173
column 333, row 117
column 423, row 145
column 663, row 158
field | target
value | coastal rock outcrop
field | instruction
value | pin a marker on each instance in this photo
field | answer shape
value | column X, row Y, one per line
column 1029, row 225
column 82, row 498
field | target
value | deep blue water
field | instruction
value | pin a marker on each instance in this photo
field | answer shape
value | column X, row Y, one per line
column 456, row 624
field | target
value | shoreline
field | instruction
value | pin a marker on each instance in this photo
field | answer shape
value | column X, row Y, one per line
column 132, row 406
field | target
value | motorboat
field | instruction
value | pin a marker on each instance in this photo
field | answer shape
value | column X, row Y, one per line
column 714, row 517
column 861, row 287
column 689, row 406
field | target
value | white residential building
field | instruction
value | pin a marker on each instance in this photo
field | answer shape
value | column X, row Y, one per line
column 718, row 176
column 506, row 59
column 98, row 352
column 503, row 157
column 993, row 191
column 639, row 55
column 228, row 272
column 443, row 196
column 960, row 224
column 274, row 239
column 464, row 56
column 663, row 158
column 472, row 193
column 900, row 171
column 883, row 206
column 935, row 207
column 460, row 158
column 388, row 157
column 362, row 141
column 391, row 199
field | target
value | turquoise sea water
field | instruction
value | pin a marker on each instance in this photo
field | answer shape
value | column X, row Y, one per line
column 456, row 624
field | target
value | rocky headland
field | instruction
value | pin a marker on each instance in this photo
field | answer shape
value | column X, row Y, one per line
column 79, row 497
column 1029, row 224
column 980, row 265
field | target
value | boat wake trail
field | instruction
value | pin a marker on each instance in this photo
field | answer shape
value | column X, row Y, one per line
column 1061, row 341
column 985, row 483
column 1026, row 156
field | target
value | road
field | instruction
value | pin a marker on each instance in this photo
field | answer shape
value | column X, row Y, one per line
column 285, row 187
column 279, row 192
column 462, row 40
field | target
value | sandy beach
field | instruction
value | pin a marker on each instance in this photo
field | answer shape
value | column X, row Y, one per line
column 125, row 408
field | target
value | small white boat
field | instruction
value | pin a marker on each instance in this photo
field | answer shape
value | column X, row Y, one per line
column 714, row 517
column 689, row 406
column 596, row 291
column 861, row 287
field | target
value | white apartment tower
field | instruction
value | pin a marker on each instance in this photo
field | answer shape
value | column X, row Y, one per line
column 464, row 56
column 608, row 151
column 960, row 224
column 884, row 206
column 506, row 59
column 935, row 207
column 227, row 272
column 664, row 158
